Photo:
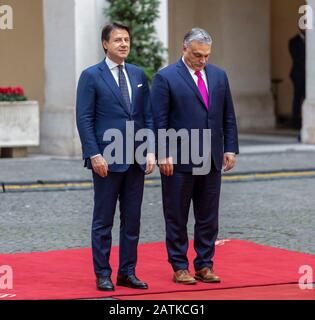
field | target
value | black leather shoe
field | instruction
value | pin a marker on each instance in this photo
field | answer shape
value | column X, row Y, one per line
column 104, row 284
column 131, row 282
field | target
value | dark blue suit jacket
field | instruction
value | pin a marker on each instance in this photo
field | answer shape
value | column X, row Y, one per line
column 177, row 103
column 100, row 106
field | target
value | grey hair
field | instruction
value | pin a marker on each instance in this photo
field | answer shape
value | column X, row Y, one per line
column 197, row 34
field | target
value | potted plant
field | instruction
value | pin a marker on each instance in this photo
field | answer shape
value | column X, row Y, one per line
column 19, row 122
column 12, row 94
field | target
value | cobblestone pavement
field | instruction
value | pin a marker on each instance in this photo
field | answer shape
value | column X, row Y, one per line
column 277, row 212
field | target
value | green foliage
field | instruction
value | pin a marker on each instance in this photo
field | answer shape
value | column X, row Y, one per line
column 11, row 98
column 139, row 15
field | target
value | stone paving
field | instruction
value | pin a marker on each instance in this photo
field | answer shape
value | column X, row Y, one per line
column 277, row 212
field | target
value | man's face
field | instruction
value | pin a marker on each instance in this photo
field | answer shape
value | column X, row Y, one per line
column 196, row 55
column 118, row 45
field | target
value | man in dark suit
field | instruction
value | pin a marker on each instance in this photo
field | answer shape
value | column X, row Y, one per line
column 109, row 95
column 297, row 74
column 192, row 94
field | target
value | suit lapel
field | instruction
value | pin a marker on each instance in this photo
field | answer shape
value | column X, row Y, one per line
column 183, row 71
column 211, row 82
column 112, row 84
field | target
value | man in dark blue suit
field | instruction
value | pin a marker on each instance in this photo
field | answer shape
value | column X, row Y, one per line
column 109, row 95
column 192, row 94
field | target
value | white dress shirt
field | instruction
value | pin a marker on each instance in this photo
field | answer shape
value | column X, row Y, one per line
column 113, row 67
column 192, row 72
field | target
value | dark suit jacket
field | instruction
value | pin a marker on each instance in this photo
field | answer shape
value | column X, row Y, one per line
column 100, row 107
column 297, row 51
column 177, row 103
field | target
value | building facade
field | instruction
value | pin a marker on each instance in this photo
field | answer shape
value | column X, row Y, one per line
column 52, row 41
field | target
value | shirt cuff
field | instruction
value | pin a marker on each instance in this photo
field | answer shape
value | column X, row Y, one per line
column 92, row 157
column 231, row 153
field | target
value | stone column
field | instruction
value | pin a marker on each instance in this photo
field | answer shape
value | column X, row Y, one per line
column 308, row 129
column 245, row 49
column 161, row 26
column 72, row 42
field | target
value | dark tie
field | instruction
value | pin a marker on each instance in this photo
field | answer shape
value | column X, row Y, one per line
column 123, row 86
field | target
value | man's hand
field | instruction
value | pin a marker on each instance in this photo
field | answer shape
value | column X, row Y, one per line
column 150, row 163
column 166, row 166
column 229, row 161
column 100, row 166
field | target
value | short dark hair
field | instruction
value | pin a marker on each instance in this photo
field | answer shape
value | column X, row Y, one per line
column 107, row 30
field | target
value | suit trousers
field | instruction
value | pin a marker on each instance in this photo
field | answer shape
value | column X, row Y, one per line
column 128, row 188
column 178, row 191
column 299, row 96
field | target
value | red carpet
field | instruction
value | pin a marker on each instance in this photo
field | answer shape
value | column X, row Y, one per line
column 68, row 274
column 272, row 292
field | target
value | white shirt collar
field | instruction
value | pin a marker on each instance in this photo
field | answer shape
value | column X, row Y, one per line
column 192, row 71
column 111, row 64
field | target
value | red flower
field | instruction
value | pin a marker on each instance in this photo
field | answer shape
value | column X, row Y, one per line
column 18, row 91
column 4, row 90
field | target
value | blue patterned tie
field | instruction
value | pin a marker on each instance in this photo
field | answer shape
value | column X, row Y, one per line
column 123, row 86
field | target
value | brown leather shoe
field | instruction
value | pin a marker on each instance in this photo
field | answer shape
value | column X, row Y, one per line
column 206, row 275
column 183, row 277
